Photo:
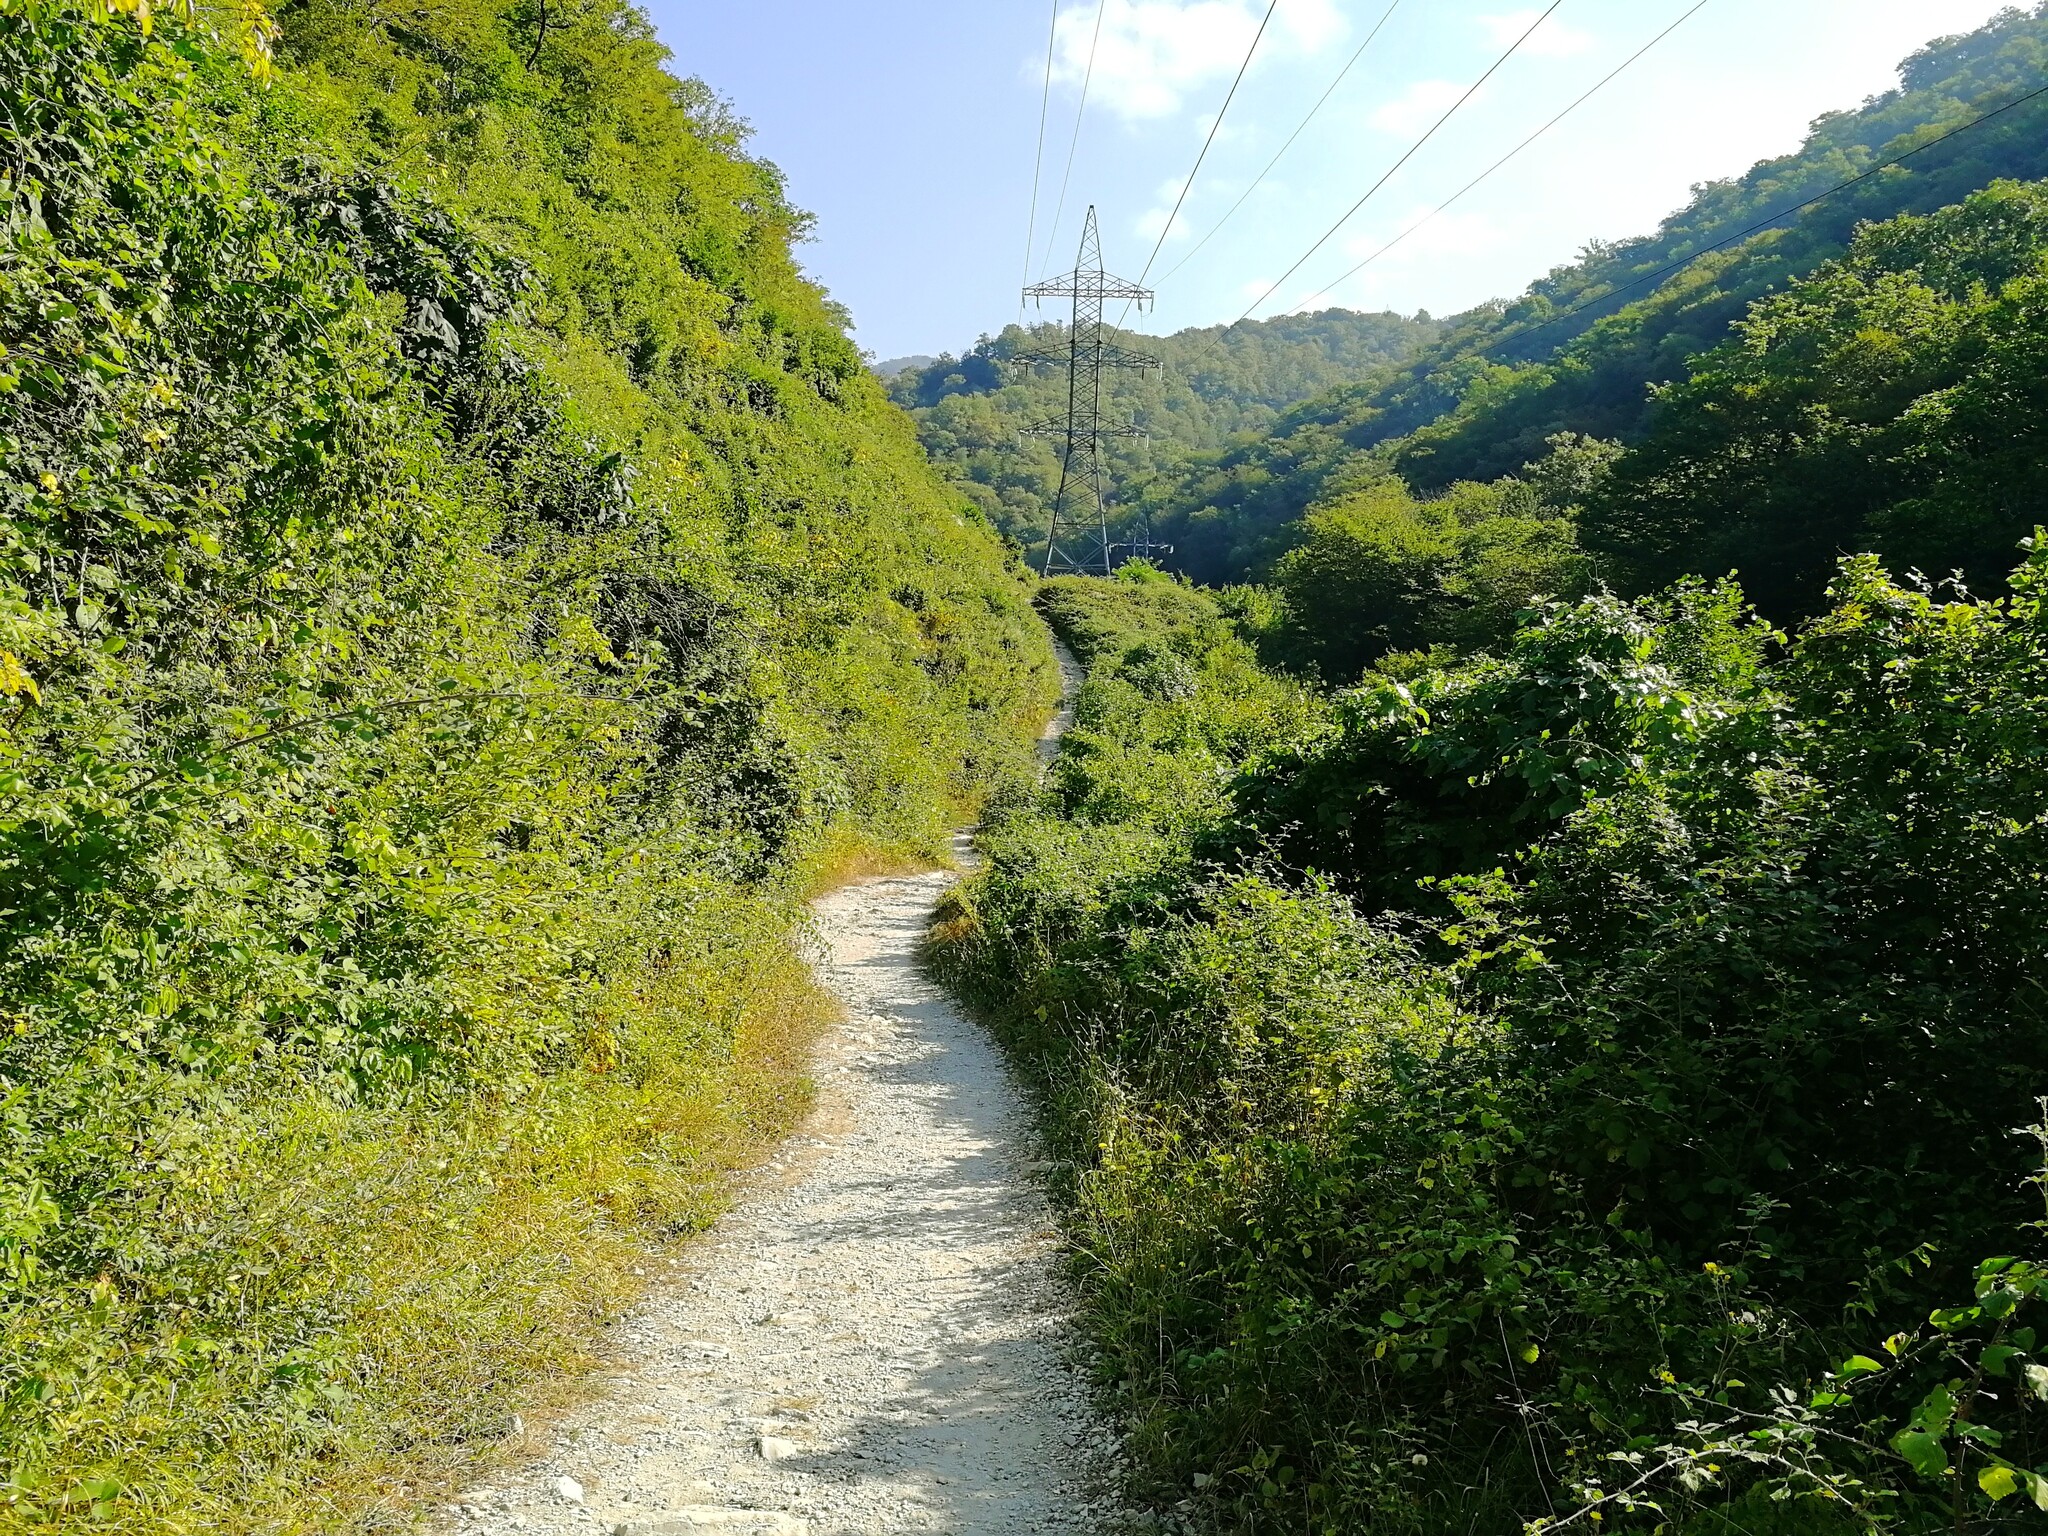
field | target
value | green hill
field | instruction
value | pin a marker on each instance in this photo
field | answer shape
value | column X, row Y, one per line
column 1219, row 385
column 1890, row 403
column 1523, row 1057
column 459, row 588
column 1583, row 349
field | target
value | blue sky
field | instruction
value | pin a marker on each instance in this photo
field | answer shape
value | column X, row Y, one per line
column 908, row 127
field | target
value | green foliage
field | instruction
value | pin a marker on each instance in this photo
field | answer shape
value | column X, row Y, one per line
column 456, row 580
column 1967, row 1383
column 1564, row 1085
column 1220, row 384
column 1893, row 402
column 1174, row 701
column 1098, row 618
column 1377, row 571
column 1496, row 383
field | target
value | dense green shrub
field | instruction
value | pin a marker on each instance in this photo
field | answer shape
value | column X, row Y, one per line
column 1377, row 571
column 1889, row 402
column 457, row 585
column 1577, row 1081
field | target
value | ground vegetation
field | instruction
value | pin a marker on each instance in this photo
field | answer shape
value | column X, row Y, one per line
column 1580, row 1084
column 459, row 590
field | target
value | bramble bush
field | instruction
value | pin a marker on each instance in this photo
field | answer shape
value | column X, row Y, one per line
column 1573, row 1086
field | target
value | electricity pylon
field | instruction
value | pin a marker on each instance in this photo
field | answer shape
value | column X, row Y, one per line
column 1078, row 541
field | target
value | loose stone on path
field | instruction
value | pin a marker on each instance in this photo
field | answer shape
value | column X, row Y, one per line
column 878, row 1343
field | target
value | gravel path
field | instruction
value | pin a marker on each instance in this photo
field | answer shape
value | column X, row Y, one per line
column 876, row 1340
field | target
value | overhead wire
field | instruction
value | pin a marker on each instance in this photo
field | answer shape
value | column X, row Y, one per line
column 1778, row 217
column 1081, row 112
column 1259, row 179
column 1742, row 234
column 1606, row 80
column 1410, row 154
column 1614, row 293
column 1222, row 112
column 1038, row 158
column 1446, row 204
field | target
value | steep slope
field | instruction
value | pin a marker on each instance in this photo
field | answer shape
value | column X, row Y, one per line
column 1582, row 349
column 1219, row 384
column 458, row 587
column 1893, row 403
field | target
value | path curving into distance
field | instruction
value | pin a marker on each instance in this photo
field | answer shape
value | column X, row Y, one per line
column 876, row 1339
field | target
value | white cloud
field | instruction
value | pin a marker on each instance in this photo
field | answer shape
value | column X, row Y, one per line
column 1152, row 53
column 1151, row 221
column 1422, row 239
column 1552, row 40
column 1154, row 218
column 1417, row 107
column 1206, row 127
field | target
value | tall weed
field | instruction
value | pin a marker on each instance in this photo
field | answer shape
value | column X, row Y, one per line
column 459, row 588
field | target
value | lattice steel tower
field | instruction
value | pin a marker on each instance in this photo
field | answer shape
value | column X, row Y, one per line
column 1079, row 538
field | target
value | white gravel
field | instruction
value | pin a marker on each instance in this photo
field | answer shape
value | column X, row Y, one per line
column 876, row 1340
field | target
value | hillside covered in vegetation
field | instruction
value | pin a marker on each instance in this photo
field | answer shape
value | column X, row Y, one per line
column 459, row 587
column 1217, row 385
column 1892, row 403
column 1586, row 349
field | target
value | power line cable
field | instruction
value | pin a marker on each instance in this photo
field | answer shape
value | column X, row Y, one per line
column 1038, row 159
column 1472, row 91
column 1739, row 235
column 1224, row 111
column 1087, row 79
column 1257, row 180
column 1782, row 214
column 1445, row 205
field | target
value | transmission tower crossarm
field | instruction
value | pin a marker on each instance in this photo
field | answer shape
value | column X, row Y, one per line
column 1111, row 356
column 1057, row 427
column 1082, row 284
column 1106, row 355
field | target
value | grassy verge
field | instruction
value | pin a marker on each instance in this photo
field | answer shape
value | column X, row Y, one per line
column 386, row 1285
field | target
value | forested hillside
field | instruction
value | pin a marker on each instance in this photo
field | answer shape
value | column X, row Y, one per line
column 1218, row 384
column 1592, row 1085
column 458, row 587
column 1891, row 403
column 1582, row 349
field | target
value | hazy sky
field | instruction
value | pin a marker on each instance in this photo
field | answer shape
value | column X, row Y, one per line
column 908, row 127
